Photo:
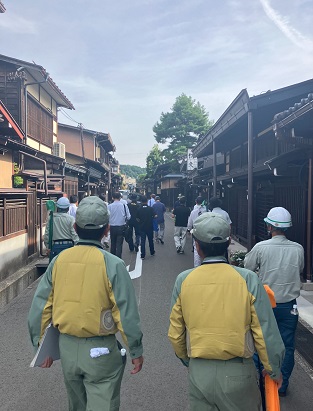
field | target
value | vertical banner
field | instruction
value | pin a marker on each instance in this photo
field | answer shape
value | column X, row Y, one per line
column 192, row 163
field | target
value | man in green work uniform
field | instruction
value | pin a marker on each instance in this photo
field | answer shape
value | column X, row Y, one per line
column 63, row 233
column 87, row 294
column 220, row 314
column 280, row 262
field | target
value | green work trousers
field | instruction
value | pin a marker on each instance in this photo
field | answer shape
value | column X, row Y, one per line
column 216, row 385
column 93, row 384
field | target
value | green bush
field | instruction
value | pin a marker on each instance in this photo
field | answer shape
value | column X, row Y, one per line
column 237, row 258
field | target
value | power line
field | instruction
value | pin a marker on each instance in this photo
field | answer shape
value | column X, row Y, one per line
column 68, row 116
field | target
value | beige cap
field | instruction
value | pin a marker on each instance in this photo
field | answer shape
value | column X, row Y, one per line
column 92, row 213
column 211, row 228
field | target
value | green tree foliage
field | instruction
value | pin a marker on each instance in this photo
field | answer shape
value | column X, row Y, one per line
column 154, row 159
column 140, row 179
column 181, row 127
column 17, row 180
column 132, row 171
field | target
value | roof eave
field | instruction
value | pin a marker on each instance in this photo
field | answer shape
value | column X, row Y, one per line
column 35, row 70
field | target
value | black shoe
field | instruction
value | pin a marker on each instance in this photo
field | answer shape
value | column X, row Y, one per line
column 161, row 241
column 178, row 249
column 142, row 257
column 181, row 251
column 282, row 393
column 136, row 248
column 153, row 254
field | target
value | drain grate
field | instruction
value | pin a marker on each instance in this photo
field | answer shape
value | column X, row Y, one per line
column 304, row 343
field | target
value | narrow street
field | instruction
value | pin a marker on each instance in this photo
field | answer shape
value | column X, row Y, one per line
column 162, row 383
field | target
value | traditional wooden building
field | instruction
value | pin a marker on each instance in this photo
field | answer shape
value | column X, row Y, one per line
column 30, row 173
column 166, row 184
column 88, row 159
column 236, row 159
column 295, row 127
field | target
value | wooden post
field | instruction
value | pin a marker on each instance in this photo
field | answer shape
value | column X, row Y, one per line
column 309, row 274
column 250, row 180
column 214, row 169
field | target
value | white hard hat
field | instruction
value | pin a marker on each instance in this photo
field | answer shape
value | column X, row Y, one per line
column 63, row 202
column 278, row 217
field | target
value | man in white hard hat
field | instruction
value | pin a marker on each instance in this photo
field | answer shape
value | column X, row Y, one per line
column 280, row 262
column 63, row 233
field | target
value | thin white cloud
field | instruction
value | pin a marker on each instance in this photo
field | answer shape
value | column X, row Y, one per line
column 17, row 25
column 286, row 28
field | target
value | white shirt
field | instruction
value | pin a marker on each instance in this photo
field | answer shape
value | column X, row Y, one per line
column 72, row 210
column 119, row 212
column 196, row 212
column 223, row 213
column 151, row 202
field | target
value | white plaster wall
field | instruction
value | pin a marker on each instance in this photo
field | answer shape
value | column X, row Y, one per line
column 13, row 255
column 32, row 143
column 45, row 149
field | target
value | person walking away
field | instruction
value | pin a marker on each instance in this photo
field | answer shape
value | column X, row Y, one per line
column 195, row 213
column 216, row 207
column 280, row 262
column 181, row 215
column 88, row 295
column 105, row 241
column 177, row 202
column 73, row 205
column 145, row 217
column 219, row 315
column 133, row 224
column 159, row 210
column 119, row 214
column 151, row 200
column 63, row 233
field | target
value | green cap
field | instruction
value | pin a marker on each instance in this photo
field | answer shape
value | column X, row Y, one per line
column 92, row 213
column 211, row 228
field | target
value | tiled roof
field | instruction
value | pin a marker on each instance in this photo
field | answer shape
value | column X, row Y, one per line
column 39, row 73
column 280, row 116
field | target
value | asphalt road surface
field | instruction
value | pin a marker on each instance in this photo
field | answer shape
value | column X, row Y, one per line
column 160, row 386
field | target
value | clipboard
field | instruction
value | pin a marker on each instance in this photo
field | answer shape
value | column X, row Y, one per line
column 49, row 347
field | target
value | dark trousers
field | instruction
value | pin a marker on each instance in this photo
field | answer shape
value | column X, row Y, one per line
column 287, row 324
column 116, row 233
column 60, row 245
column 149, row 235
column 134, row 227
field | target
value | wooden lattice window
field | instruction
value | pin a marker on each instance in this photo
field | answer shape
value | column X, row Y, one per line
column 40, row 123
column 13, row 216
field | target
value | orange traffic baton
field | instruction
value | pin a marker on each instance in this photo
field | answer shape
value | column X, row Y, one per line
column 271, row 394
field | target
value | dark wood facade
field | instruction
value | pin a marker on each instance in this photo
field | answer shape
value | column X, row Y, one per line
column 259, row 171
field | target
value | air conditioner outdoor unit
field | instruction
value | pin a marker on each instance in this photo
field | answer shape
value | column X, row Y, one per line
column 59, row 149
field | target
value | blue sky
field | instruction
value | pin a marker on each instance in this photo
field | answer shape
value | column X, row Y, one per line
column 122, row 63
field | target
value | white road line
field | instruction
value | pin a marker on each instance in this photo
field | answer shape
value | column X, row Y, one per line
column 136, row 272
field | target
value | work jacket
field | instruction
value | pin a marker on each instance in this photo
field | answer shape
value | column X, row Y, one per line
column 87, row 292
column 63, row 228
column 279, row 262
column 221, row 312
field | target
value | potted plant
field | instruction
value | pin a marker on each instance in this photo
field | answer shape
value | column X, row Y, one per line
column 237, row 258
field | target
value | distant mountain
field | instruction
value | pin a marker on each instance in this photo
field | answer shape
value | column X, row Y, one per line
column 132, row 171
